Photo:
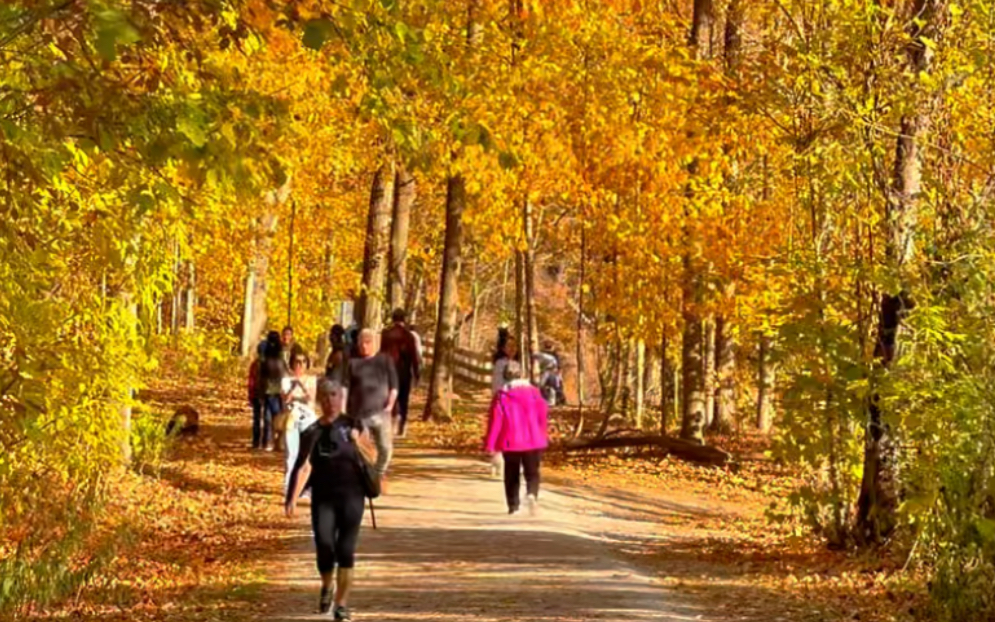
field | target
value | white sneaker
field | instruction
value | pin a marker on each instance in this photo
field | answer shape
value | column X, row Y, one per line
column 533, row 504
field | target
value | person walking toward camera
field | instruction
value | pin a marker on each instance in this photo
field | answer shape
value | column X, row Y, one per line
column 518, row 427
column 371, row 395
column 335, row 454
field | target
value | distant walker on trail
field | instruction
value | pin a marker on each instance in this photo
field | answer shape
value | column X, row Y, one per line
column 518, row 427
column 401, row 345
column 371, row 395
column 336, row 455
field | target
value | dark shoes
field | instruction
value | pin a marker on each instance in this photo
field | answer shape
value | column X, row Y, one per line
column 325, row 604
column 342, row 614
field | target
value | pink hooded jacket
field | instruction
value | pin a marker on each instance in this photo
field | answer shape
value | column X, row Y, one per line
column 518, row 421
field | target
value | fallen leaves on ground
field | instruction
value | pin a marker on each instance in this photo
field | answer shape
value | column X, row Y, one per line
column 728, row 551
column 197, row 537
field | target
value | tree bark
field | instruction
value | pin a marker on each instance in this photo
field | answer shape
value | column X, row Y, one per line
column 682, row 449
column 404, row 198
column 581, row 359
column 437, row 407
column 532, row 342
column 369, row 307
column 725, row 375
column 260, row 270
column 414, row 296
column 190, row 297
column 765, row 384
column 877, row 503
column 521, row 314
column 640, row 397
column 692, row 346
column 709, row 371
column 245, row 346
column 667, row 388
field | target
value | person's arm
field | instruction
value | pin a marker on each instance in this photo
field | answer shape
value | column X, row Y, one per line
column 495, row 422
column 391, row 385
column 253, row 380
column 364, row 444
column 287, row 388
column 302, row 469
column 415, row 357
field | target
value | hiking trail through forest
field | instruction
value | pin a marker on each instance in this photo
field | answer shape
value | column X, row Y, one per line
column 445, row 548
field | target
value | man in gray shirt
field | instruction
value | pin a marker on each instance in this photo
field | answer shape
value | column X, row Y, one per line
column 372, row 391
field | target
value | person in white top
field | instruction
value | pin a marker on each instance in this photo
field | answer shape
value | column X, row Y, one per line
column 506, row 353
column 298, row 390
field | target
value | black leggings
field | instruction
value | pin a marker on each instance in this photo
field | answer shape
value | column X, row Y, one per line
column 514, row 463
column 336, row 522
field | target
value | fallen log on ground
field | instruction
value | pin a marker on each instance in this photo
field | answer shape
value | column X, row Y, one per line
column 685, row 450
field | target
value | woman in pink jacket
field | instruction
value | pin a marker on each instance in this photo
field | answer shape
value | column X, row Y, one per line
column 517, row 427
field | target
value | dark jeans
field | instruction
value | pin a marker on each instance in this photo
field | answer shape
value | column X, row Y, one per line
column 257, row 422
column 401, row 406
column 262, row 419
column 514, row 463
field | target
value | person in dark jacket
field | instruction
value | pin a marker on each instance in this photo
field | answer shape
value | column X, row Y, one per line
column 401, row 346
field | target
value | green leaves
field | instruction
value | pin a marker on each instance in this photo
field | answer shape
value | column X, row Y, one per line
column 316, row 32
column 113, row 29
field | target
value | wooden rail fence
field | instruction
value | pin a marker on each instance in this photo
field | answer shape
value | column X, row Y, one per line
column 472, row 368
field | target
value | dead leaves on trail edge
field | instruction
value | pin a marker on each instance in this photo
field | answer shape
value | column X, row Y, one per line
column 705, row 532
column 197, row 538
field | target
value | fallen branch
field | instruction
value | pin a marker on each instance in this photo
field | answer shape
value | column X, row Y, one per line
column 685, row 450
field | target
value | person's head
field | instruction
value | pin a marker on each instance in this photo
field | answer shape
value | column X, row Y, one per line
column 273, row 346
column 299, row 361
column 547, row 346
column 366, row 343
column 512, row 371
column 329, row 398
column 336, row 336
column 399, row 316
column 511, row 348
column 287, row 336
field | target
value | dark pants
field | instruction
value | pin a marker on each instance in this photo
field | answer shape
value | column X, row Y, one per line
column 269, row 406
column 514, row 463
column 401, row 406
column 257, row 422
column 336, row 522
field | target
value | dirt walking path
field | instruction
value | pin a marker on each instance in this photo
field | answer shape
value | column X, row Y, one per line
column 446, row 550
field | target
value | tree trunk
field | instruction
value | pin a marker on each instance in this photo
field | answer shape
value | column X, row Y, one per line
column 190, row 297
column 725, row 375
column 581, row 359
column 765, row 385
column 260, row 270
column 414, row 297
column 437, row 407
column 532, row 342
column 709, row 371
column 404, row 198
column 640, row 397
column 692, row 346
column 369, row 308
column 245, row 347
column 667, row 389
column 878, row 501
column 521, row 318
